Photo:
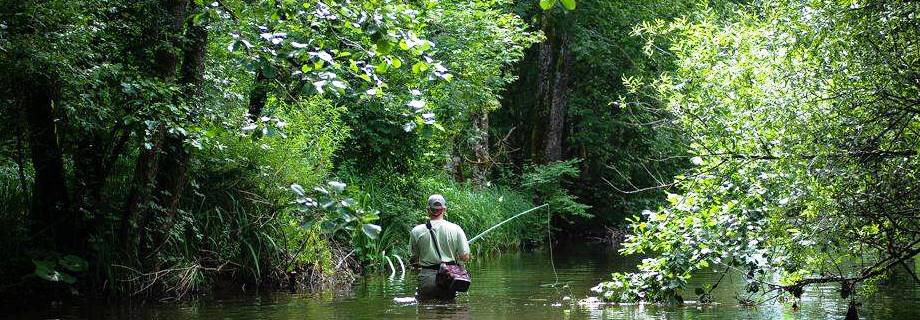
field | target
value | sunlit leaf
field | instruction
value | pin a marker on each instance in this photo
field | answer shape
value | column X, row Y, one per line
column 372, row 230
column 298, row 190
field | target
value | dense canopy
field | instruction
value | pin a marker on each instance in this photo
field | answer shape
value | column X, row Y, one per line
column 158, row 148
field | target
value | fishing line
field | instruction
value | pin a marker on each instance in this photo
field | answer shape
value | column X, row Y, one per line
column 503, row 222
column 549, row 235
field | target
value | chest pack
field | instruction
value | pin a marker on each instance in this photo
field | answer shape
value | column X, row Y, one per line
column 451, row 276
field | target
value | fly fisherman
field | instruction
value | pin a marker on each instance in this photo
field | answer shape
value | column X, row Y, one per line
column 451, row 242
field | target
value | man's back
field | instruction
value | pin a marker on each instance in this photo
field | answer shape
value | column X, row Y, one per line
column 451, row 242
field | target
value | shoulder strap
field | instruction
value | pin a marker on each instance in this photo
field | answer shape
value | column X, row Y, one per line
column 434, row 240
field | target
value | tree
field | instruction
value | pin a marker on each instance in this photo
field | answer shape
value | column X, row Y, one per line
column 802, row 129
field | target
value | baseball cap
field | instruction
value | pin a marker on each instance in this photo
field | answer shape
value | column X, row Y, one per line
column 436, row 201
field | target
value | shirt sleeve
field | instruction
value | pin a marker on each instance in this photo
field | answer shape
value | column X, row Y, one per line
column 463, row 245
column 413, row 246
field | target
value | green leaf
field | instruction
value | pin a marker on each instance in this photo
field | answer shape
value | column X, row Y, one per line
column 328, row 226
column 547, row 4
column 269, row 70
column 384, row 46
column 73, row 263
column 568, row 4
column 420, row 66
column 45, row 270
column 255, row 259
column 66, row 278
column 372, row 230
column 298, row 190
column 381, row 67
column 703, row 264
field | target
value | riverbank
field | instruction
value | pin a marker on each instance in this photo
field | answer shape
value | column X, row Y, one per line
column 266, row 243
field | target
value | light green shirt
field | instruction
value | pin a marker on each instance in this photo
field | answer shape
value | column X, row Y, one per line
column 451, row 241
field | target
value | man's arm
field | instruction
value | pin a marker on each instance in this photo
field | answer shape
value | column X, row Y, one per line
column 413, row 251
column 464, row 254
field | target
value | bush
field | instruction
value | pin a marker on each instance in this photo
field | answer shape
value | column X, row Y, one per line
column 237, row 213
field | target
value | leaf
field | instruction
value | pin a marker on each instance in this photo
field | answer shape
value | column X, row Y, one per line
column 337, row 186
column 419, row 67
column 255, row 259
column 73, row 263
column 372, row 230
column 547, row 4
column 45, row 269
column 269, row 71
column 382, row 67
column 328, row 226
column 568, row 4
column 66, row 278
column 298, row 190
column 384, row 46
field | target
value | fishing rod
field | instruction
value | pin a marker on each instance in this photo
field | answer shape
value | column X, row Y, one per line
column 503, row 222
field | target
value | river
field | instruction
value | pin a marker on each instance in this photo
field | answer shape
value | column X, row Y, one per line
column 519, row 286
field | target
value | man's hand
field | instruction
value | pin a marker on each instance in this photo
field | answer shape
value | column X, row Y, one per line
column 464, row 257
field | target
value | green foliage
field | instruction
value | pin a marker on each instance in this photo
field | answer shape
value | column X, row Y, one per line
column 179, row 126
column 545, row 182
column 568, row 5
column 479, row 208
column 336, row 213
column 60, row 268
column 795, row 140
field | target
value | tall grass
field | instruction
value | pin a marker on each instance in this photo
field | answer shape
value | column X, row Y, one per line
column 402, row 201
column 14, row 210
column 476, row 209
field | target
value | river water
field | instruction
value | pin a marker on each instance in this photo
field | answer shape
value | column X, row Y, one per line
column 510, row 286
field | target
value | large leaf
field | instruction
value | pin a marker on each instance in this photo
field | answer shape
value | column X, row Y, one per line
column 45, row 270
column 328, row 226
column 568, row 4
column 547, row 4
column 372, row 230
column 73, row 263
column 298, row 190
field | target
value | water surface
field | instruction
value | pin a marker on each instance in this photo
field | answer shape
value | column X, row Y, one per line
column 510, row 286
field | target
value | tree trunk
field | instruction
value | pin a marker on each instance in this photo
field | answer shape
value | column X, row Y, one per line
column 481, row 147
column 50, row 198
column 544, row 92
column 257, row 96
column 89, row 176
column 174, row 173
column 554, row 135
column 454, row 165
column 145, row 171
column 148, row 156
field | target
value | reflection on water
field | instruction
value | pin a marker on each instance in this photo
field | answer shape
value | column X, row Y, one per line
column 511, row 286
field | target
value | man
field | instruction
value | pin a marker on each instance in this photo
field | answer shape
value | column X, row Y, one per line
column 451, row 242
